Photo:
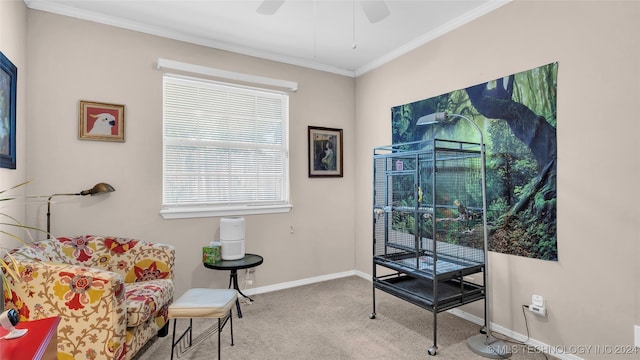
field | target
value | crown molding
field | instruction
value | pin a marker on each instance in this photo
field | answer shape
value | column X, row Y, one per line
column 432, row 35
column 61, row 9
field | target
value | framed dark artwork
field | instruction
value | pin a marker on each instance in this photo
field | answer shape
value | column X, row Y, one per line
column 8, row 84
column 325, row 152
column 101, row 121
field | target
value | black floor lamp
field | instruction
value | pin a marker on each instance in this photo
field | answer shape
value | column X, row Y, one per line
column 484, row 345
column 99, row 188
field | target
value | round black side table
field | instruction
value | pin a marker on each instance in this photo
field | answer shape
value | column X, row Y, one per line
column 248, row 261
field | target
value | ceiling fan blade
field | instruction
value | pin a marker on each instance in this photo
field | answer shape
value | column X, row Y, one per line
column 376, row 10
column 269, row 7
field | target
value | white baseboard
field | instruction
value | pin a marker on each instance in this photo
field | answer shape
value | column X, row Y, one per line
column 301, row 282
column 557, row 351
column 636, row 335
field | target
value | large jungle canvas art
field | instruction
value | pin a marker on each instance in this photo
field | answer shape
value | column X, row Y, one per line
column 517, row 116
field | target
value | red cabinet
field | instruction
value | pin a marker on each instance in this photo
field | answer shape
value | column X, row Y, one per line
column 39, row 343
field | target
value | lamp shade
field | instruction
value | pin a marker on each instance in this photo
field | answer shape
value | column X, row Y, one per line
column 432, row 118
column 97, row 189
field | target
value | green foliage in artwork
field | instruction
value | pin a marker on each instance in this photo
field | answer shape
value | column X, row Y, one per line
column 496, row 209
column 537, row 88
column 521, row 186
column 530, row 231
column 401, row 116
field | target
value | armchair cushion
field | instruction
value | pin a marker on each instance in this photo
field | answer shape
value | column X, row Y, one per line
column 143, row 299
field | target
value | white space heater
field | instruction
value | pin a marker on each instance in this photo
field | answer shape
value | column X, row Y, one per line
column 232, row 238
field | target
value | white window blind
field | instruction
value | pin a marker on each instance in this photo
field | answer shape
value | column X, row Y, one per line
column 225, row 149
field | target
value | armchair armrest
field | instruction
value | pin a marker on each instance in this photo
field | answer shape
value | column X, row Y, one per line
column 89, row 301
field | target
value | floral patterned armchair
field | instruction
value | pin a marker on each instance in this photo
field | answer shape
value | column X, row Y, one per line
column 111, row 293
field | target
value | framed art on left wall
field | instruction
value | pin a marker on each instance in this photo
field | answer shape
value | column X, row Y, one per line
column 101, row 121
column 8, row 85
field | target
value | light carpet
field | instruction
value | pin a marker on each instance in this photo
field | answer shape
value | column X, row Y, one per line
column 330, row 320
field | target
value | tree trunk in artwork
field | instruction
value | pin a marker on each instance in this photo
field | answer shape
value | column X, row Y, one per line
column 532, row 129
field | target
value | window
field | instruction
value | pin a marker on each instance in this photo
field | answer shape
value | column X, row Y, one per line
column 226, row 149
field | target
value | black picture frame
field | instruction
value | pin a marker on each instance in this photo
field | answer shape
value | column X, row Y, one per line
column 8, row 90
column 325, row 152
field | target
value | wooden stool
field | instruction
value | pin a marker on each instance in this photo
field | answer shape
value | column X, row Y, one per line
column 201, row 303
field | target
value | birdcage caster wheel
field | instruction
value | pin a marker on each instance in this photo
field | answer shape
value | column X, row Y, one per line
column 433, row 350
column 372, row 316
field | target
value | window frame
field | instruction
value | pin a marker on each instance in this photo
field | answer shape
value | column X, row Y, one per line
column 182, row 211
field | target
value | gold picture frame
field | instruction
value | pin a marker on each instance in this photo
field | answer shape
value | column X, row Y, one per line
column 101, row 121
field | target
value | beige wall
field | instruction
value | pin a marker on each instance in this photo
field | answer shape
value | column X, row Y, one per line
column 70, row 60
column 592, row 291
column 13, row 35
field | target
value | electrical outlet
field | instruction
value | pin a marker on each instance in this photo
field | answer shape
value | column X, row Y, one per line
column 537, row 305
column 538, row 310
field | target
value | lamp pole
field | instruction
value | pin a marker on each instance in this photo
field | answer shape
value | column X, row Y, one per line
column 49, row 211
column 483, row 345
column 99, row 188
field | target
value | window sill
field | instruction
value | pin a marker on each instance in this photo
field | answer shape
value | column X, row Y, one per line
column 183, row 212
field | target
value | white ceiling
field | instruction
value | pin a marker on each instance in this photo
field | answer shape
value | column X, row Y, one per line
column 318, row 34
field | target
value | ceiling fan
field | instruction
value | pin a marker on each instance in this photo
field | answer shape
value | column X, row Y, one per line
column 375, row 10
